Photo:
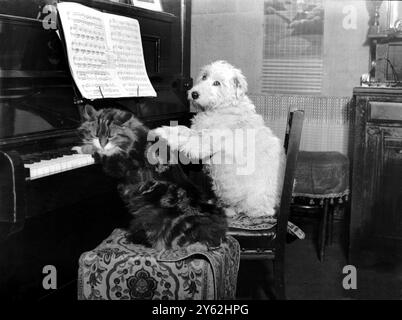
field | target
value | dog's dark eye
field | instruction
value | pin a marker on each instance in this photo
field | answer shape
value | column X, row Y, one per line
column 204, row 77
column 216, row 83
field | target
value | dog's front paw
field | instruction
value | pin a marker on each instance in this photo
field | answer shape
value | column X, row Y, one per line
column 161, row 132
column 230, row 212
column 169, row 134
column 176, row 136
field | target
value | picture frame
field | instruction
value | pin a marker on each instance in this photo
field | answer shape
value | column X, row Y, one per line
column 154, row 5
column 394, row 15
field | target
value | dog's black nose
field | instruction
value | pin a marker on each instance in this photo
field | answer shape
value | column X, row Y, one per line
column 195, row 95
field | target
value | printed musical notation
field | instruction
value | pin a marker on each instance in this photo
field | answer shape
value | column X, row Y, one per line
column 104, row 52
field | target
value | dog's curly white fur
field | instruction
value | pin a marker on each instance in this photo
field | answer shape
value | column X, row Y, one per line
column 223, row 107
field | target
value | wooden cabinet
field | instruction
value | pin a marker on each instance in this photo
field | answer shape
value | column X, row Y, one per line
column 376, row 209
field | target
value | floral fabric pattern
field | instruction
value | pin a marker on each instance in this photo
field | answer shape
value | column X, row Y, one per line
column 120, row 270
column 241, row 224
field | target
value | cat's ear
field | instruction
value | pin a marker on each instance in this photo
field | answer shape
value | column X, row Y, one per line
column 123, row 117
column 89, row 112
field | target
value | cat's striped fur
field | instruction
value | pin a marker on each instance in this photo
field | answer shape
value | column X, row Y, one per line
column 168, row 210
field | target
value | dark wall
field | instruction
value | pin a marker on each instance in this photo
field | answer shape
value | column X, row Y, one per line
column 24, row 8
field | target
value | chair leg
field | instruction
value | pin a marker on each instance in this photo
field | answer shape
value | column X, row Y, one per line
column 323, row 232
column 331, row 220
column 279, row 279
column 267, row 285
column 261, row 279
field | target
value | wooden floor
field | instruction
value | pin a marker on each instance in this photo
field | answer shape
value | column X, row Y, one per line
column 309, row 279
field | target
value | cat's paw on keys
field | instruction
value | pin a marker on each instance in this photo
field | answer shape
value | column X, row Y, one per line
column 77, row 149
column 85, row 149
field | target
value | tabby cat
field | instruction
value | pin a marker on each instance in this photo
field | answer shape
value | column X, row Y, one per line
column 168, row 210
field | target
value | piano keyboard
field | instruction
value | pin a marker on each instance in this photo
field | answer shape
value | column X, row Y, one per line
column 39, row 165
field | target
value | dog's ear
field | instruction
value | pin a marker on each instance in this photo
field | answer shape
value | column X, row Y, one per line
column 240, row 84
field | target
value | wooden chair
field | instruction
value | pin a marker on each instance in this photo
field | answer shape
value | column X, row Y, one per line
column 266, row 238
column 322, row 185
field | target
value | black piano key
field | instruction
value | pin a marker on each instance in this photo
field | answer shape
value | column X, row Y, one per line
column 52, row 153
column 36, row 158
column 39, row 156
column 69, row 152
column 31, row 158
column 63, row 151
column 47, row 157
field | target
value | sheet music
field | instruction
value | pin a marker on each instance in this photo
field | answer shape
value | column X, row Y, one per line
column 104, row 52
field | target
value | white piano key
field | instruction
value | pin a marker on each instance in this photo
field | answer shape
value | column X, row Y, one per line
column 42, row 171
column 60, row 164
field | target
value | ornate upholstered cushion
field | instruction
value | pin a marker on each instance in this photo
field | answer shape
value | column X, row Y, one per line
column 120, row 270
column 242, row 224
column 258, row 231
column 321, row 175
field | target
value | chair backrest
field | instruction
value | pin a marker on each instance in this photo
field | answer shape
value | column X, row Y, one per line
column 291, row 144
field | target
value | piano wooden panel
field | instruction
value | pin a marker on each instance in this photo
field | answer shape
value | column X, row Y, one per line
column 53, row 219
column 12, row 188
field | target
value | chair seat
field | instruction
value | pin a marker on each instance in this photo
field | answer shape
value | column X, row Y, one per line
column 321, row 180
column 321, row 175
column 120, row 270
column 259, row 226
column 253, row 232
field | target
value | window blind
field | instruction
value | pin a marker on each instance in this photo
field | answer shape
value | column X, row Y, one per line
column 293, row 37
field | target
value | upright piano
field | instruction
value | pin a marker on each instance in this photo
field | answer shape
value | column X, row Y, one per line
column 42, row 181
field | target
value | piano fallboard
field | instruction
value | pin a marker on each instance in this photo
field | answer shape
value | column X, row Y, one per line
column 28, row 188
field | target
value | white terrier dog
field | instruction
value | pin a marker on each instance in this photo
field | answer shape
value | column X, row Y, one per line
column 244, row 159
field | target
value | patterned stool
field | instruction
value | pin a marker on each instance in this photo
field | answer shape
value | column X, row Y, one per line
column 322, row 181
column 120, row 270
